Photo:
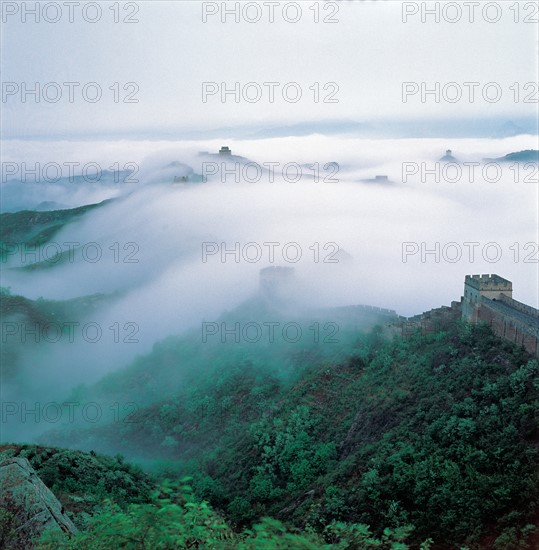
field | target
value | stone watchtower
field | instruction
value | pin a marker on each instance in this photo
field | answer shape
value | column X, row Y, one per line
column 478, row 286
column 276, row 282
column 448, row 157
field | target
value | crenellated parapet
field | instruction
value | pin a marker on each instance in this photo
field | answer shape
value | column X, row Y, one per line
column 519, row 306
column 489, row 283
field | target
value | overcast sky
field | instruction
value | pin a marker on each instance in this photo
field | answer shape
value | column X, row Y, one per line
column 369, row 52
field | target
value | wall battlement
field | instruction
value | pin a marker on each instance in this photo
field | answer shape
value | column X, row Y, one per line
column 429, row 322
column 519, row 306
column 488, row 282
column 373, row 309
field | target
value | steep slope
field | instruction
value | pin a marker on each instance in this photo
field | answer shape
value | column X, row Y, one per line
column 439, row 432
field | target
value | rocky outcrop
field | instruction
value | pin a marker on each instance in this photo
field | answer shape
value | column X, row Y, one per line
column 27, row 506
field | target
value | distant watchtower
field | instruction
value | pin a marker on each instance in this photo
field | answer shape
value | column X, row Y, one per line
column 448, row 157
column 225, row 151
column 478, row 286
column 275, row 281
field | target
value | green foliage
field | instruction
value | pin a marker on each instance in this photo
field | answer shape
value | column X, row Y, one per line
column 82, row 481
column 439, row 432
column 172, row 520
column 290, row 456
column 35, row 228
column 175, row 519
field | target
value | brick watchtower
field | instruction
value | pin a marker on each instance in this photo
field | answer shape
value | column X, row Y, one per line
column 477, row 286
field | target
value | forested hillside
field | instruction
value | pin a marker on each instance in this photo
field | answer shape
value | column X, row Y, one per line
column 438, row 432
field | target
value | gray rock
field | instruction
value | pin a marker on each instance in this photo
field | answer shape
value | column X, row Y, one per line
column 27, row 506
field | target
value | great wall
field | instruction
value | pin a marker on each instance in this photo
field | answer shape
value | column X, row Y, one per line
column 486, row 298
